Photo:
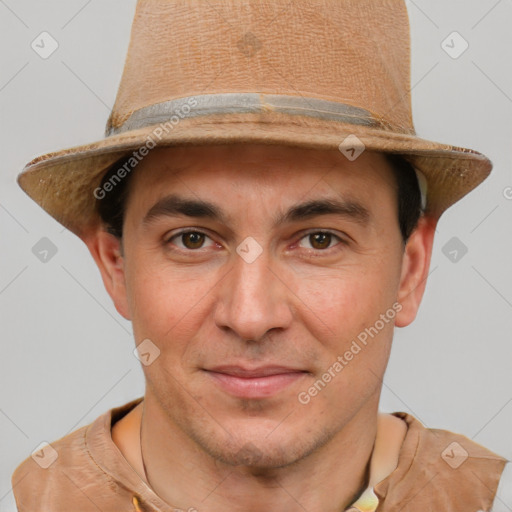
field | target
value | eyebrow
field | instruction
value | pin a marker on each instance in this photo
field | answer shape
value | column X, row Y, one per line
column 175, row 206
column 344, row 208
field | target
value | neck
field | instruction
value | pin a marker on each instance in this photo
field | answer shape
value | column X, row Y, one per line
column 183, row 475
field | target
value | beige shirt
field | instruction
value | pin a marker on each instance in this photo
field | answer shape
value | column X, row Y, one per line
column 437, row 470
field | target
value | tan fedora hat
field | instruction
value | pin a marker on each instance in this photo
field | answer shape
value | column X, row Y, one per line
column 320, row 74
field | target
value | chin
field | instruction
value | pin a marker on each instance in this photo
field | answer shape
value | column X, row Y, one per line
column 261, row 450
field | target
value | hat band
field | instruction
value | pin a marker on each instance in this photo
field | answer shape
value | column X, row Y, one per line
column 246, row 103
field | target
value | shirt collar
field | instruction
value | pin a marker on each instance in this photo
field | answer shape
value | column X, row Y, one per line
column 384, row 461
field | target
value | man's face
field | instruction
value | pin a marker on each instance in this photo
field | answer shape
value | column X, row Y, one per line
column 252, row 298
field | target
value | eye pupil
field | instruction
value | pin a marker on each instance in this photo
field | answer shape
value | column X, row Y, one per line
column 320, row 240
column 193, row 240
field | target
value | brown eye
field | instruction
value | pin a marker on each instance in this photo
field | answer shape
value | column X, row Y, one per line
column 320, row 240
column 189, row 240
column 192, row 240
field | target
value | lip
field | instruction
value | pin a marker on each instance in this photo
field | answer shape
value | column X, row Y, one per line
column 261, row 382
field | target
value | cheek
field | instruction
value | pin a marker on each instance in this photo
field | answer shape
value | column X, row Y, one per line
column 358, row 310
column 166, row 305
column 343, row 302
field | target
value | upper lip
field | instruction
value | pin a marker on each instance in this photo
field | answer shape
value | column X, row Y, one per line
column 261, row 371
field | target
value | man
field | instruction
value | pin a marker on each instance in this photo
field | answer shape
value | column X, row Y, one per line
column 264, row 214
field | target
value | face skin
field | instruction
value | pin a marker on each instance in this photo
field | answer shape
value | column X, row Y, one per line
column 217, row 432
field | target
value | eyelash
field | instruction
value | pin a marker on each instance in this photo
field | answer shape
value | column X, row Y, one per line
column 184, row 232
column 340, row 240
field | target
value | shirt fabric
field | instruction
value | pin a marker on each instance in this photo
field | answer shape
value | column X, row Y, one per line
column 437, row 470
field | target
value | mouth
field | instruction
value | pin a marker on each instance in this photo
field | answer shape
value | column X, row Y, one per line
column 255, row 383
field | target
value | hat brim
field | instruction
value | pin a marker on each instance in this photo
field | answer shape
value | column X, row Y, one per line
column 63, row 182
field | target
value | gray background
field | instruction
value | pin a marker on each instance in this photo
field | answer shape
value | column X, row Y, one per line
column 66, row 353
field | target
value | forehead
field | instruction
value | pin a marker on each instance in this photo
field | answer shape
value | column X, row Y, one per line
column 261, row 169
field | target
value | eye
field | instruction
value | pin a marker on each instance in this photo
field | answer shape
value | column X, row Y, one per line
column 319, row 240
column 189, row 240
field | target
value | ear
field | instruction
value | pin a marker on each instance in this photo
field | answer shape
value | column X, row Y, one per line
column 107, row 253
column 415, row 267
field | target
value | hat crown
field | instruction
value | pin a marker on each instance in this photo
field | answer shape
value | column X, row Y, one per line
column 318, row 74
column 352, row 52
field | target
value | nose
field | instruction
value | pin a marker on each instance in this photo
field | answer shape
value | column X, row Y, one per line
column 253, row 299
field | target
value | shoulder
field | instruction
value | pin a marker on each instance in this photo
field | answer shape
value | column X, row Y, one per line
column 450, row 447
column 442, row 469
column 52, row 470
column 64, row 474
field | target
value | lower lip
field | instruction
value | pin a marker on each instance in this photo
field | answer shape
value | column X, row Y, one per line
column 255, row 387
